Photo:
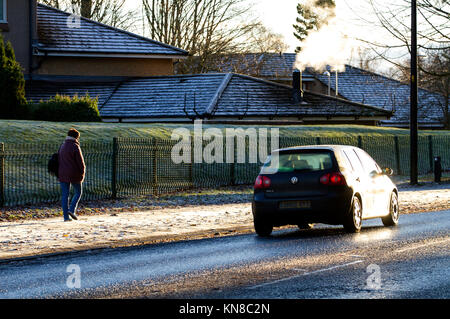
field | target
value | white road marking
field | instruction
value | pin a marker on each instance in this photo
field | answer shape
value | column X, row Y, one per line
column 421, row 246
column 299, row 269
column 305, row 274
column 334, row 267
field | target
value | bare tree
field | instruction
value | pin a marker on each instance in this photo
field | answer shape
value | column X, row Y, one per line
column 433, row 36
column 206, row 28
column 110, row 12
column 437, row 65
column 263, row 40
column 262, row 43
column 365, row 59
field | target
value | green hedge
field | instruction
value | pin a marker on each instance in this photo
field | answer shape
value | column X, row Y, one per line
column 65, row 109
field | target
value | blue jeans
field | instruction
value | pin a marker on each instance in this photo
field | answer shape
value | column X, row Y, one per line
column 65, row 189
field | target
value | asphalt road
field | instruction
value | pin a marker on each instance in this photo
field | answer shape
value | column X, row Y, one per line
column 408, row 261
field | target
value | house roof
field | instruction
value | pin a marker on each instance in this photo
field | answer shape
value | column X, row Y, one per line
column 354, row 84
column 271, row 66
column 249, row 96
column 370, row 88
column 59, row 35
column 46, row 88
column 209, row 96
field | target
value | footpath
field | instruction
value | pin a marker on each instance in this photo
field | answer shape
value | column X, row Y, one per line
column 29, row 238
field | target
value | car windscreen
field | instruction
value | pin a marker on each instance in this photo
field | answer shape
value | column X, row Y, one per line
column 298, row 162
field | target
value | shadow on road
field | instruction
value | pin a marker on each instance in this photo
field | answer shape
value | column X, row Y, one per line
column 324, row 231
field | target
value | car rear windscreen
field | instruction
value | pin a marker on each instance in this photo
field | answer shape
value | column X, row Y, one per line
column 298, row 162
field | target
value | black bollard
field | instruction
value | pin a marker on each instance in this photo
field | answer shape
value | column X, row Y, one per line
column 437, row 169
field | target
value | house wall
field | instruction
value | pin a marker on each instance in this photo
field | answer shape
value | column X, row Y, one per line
column 52, row 65
column 17, row 30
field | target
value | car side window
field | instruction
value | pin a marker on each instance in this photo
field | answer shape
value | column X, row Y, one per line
column 354, row 161
column 347, row 161
column 368, row 163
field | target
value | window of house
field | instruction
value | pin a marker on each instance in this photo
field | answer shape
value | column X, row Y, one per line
column 3, row 11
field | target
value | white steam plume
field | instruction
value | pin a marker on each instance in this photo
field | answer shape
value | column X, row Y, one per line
column 327, row 46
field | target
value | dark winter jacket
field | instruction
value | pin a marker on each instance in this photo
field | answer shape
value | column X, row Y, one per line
column 71, row 162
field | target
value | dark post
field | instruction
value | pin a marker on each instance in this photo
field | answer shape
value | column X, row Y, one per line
column 2, row 174
column 233, row 164
column 397, row 155
column 437, row 169
column 114, row 168
column 360, row 141
column 191, row 164
column 430, row 152
column 413, row 108
column 318, row 142
column 155, row 167
column 296, row 86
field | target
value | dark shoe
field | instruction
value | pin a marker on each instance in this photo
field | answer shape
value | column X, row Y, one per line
column 67, row 220
column 73, row 215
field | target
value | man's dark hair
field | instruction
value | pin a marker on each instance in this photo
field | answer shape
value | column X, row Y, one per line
column 73, row 133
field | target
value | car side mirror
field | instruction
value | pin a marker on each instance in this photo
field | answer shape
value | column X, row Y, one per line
column 388, row 171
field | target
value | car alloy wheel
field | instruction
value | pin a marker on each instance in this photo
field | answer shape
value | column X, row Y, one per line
column 357, row 213
column 394, row 212
column 353, row 219
column 394, row 207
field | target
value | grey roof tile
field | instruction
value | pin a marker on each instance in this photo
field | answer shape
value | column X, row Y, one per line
column 44, row 90
column 266, row 65
column 374, row 89
column 252, row 96
column 166, row 96
column 354, row 84
column 203, row 95
column 55, row 35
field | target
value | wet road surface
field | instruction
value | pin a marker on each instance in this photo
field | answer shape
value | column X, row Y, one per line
column 408, row 261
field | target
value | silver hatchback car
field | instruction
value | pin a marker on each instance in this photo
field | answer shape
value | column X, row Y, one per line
column 331, row 184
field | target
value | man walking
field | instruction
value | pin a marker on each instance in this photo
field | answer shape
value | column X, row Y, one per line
column 71, row 172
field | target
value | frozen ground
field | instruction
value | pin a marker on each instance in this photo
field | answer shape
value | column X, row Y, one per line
column 183, row 217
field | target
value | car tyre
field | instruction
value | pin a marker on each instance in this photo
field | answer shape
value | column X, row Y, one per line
column 262, row 226
column 353, row 219
column 394, row 213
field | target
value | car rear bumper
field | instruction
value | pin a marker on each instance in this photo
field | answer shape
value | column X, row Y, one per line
column 328, row 209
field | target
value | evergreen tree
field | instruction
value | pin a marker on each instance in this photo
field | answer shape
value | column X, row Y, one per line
column 12, row 83
column 311, row 16
column 306, row 21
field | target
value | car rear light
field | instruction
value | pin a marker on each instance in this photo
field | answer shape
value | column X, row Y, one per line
column 333, row 179
column 262, row 182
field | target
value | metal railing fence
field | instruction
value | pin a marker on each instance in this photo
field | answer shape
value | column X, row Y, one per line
column 126, row 167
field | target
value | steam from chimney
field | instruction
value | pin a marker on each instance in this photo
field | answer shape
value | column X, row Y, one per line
column 329, row 45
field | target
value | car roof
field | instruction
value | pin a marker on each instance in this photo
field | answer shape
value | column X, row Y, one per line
column 315, row 147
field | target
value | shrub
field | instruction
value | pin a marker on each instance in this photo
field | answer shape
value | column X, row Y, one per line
column 66, row 109
column 12, row 83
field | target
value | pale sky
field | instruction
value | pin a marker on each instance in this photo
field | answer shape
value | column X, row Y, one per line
column 280, row 15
